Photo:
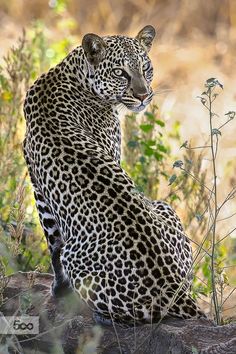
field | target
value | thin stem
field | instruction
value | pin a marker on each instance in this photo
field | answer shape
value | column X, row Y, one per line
column 231, row 292
column 196, row 179
column 227, row 217
column 229, row 233
column 230, row 195
column 215, row 213
column 196, row 261
column 198, row 147
column 221, row 126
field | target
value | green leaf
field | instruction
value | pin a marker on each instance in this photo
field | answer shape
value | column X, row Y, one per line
column 185, row 144
column 231, row 114
column 146, row 127
column 158, row 156
column 151, row 143
column 163, row 173
column 148, row 151
column 178, row 163
column 132, row 144
column 160, row 122
column 206, row 270
column 172, row 179
column 212, row 82
column 199, row 217
column 189, row 162
column 215, row 132
column 162, row 148
column 7, row 95
column 174, row 197
column 142, row 159
column 203, row 100
column 203, row 290
column 150, row 116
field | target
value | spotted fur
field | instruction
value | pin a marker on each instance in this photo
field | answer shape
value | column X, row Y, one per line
column 126, row 256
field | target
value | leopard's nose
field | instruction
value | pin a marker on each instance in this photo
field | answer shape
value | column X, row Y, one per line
column 141, row 97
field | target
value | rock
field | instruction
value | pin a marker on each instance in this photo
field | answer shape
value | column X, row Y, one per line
column 67, row 326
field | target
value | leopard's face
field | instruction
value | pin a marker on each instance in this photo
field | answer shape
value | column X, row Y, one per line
column 124, row 75
column 123, row 72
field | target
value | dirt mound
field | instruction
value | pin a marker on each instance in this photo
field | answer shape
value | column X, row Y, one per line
column 67, row 326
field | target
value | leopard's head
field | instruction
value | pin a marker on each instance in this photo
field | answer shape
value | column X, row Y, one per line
column 119, row 69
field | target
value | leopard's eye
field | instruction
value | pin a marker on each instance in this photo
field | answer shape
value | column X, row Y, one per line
column 146, row 66
column 119, row 72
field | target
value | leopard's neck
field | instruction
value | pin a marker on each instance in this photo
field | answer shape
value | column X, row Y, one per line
column 76, row 72
column 79, row 109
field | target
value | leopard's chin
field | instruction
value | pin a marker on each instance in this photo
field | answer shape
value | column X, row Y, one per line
column 135, row 108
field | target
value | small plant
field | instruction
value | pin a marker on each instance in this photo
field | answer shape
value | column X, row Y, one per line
column 20, row 232
column 211, row 246
column 145, row 151
column 147, row 157
column 16, row 227
column 3, row 282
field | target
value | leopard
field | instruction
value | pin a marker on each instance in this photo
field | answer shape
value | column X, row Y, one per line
column 126, row 256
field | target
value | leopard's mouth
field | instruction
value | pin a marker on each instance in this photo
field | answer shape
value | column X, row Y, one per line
column 134, row 104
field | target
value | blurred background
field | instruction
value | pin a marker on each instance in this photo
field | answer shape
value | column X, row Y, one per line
column 196, row 40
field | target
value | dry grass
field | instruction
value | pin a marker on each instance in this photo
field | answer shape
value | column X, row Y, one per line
column 16, row 228
column 4, row 280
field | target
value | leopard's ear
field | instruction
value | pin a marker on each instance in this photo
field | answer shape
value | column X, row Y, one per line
column 94, row 48
column 146, row 36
